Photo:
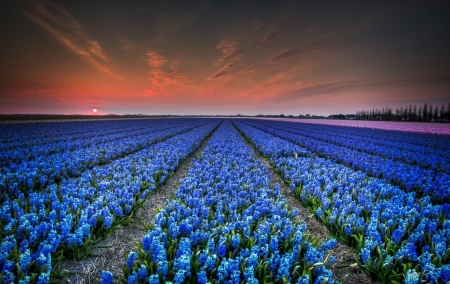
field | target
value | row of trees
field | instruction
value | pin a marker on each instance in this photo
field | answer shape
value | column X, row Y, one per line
column 411, row 113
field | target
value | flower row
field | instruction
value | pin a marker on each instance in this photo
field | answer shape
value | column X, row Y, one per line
column 227, row 225
column 398, row 236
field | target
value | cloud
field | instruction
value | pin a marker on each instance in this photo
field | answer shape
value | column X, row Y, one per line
column 220, row 73
column 269, row 37
column 64, row 27
column 155, row 60
column 162, row 78
column 229, row 54
column 274, row 80
column 160, row 96
column 321, row 89
column 224, row 68
column 249, row 70
column 283, row 55
column 228, row 48
column 290, row 52
column 363, row 86
column 164, row 72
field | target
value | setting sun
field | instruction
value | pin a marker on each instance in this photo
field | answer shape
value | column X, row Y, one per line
column 94, row 110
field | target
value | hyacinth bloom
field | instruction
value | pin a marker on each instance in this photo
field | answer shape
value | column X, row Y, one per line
column 409, row 161
column 415, row 127
column 65, row 214
column 383, row 193
column 225, row 222
column 386, row 223
column 40, row 162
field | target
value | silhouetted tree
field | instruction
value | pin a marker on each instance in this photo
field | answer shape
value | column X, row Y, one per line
column 430, row 112
column 406, row 114
column 425, row 112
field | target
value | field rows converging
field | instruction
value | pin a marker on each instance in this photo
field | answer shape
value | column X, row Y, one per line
column 411, row 149
column 397, row 235
column 71, row 131
column 45, row 170
column 29, row 148
column 45, row 224
column 29, row 135
column 225, row 224
column 383, row 195
column 432, row 182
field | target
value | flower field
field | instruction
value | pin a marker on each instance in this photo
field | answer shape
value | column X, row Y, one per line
column 66, row 186
column 61, row 208
column 417, row 127
column 399, row 229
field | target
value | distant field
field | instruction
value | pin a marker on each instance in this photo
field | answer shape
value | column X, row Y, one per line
column 41, row 118
column 419, row 127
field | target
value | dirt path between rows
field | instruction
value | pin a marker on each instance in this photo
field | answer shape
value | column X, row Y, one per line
column 110, row 253
column 341, row 252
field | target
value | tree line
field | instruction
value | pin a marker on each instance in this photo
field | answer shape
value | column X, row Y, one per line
column 424, row 113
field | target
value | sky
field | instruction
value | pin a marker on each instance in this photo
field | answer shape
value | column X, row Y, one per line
column 222, row 57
